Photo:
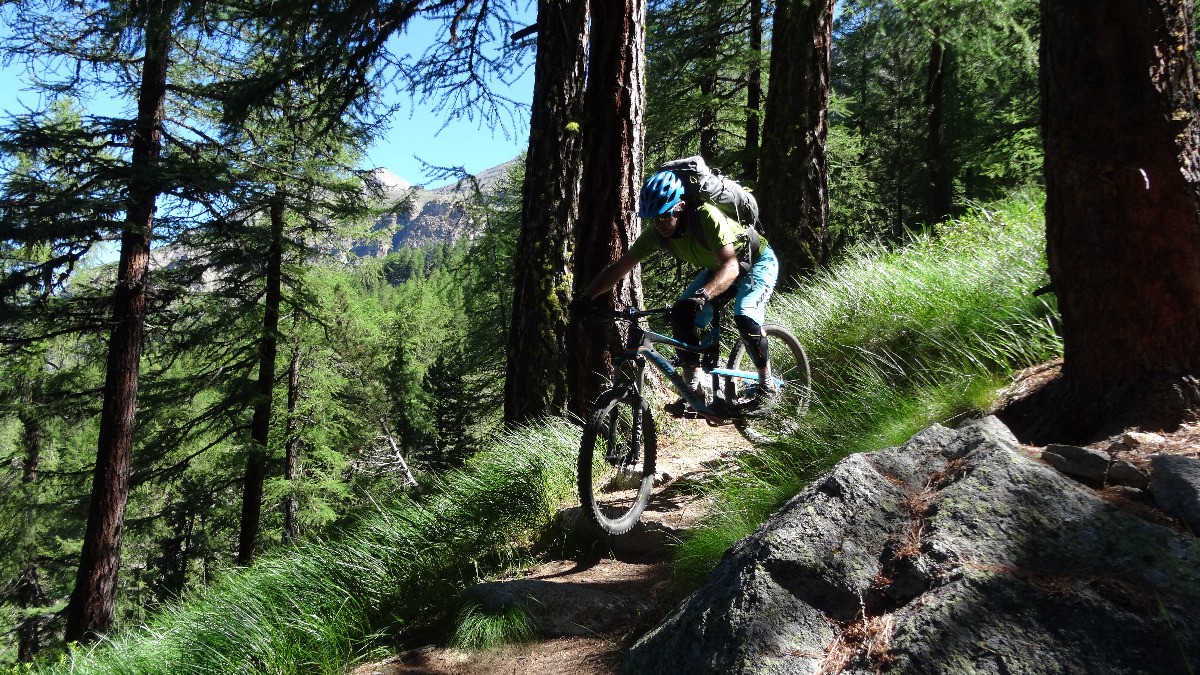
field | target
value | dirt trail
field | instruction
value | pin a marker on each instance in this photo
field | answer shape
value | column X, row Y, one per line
column 598, row 607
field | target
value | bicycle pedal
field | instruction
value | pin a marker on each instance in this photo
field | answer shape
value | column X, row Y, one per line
column 687, row 414
column 680, row 409
column 743, row 408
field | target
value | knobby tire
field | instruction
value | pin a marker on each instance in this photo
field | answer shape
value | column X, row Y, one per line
column 788, row 363
column 616, row 471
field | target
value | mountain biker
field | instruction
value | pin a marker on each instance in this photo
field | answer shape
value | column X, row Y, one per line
column 701, row 235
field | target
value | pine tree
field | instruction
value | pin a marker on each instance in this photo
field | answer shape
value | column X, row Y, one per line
column 607, row 227
column 535, row 382
column 939, row 98
column 794, row 176
column 1122, row 221
column 704, row 82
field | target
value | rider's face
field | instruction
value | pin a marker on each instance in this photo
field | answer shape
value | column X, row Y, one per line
column 667, row 223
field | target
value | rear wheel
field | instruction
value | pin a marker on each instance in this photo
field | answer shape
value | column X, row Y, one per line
column 616, row 461
column 789, row 368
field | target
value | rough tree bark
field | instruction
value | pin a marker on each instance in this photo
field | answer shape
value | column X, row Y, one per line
column 90, row 609
column 291, row 451
column 612, row 160
column 260, row 423
column 1119, row 124
column 793, row 178
column 535, row 376
column 753, row 95
column 29, row 589
column 941, row 184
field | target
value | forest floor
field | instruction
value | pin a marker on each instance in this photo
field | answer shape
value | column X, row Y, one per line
column 632, row 575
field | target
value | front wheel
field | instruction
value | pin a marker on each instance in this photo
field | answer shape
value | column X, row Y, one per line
column 789, row 368
column 616, row 461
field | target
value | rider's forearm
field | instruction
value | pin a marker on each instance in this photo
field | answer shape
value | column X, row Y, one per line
column 610, row 275
column 722, row 279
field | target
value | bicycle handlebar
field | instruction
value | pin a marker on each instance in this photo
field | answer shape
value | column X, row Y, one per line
column 629, row 314
column 634, row 313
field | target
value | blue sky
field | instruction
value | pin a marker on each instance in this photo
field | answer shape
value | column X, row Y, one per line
column 470, row 145
column 415, row 131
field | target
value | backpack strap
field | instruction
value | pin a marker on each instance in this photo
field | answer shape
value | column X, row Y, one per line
column 753, row 243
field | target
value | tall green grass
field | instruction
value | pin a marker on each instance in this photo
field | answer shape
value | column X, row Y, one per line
column 898, row 339
column 319, row 606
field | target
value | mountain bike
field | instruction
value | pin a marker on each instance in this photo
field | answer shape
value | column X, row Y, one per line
column 618, row 451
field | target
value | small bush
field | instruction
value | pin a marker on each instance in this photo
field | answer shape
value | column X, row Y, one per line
column 480, row 630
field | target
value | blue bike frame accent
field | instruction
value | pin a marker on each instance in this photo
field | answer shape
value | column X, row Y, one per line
column 707, row 342
column 743, row 375
column 664, row 366
column 644, row 351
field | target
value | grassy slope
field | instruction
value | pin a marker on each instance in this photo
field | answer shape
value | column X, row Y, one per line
column 898, row 340
column 321, row 605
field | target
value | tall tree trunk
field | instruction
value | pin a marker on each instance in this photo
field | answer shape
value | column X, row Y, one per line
column 260, row 424
column 535, row 376
column 29, row 589
column 706, row 120
column 291, row 453
column 941, row 183
column 612, row 160
column 753, row 95
column 90, row 609
column 29, row 594
column 31, row 425
column 794, row 176
column 1122, row 213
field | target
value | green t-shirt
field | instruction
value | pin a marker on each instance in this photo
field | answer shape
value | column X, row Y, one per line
column 708, row 231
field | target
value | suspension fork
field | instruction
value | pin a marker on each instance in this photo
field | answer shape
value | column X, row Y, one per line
column 633, row 388
column 635, row 434
column 634, row 345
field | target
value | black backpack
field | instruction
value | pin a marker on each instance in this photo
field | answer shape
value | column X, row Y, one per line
column 702, row 184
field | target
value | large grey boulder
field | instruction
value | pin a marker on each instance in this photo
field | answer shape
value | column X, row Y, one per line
column 954, row 553
column 1175, row 484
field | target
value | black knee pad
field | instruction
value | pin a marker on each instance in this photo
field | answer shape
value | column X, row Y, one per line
column 753, row 338
column 746, row 325
column 683, row 327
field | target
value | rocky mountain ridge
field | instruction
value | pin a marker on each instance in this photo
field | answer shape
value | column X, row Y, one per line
column 426, row 216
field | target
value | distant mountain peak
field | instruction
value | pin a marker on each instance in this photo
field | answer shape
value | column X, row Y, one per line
column 390, row 181
column 436, row 214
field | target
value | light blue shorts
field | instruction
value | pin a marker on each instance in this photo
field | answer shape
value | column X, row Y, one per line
column 753, row 289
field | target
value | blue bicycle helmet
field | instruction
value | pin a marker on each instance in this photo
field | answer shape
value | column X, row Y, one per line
column 660, row 194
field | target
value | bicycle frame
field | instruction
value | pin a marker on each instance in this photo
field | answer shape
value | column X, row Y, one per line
column 640, row 349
